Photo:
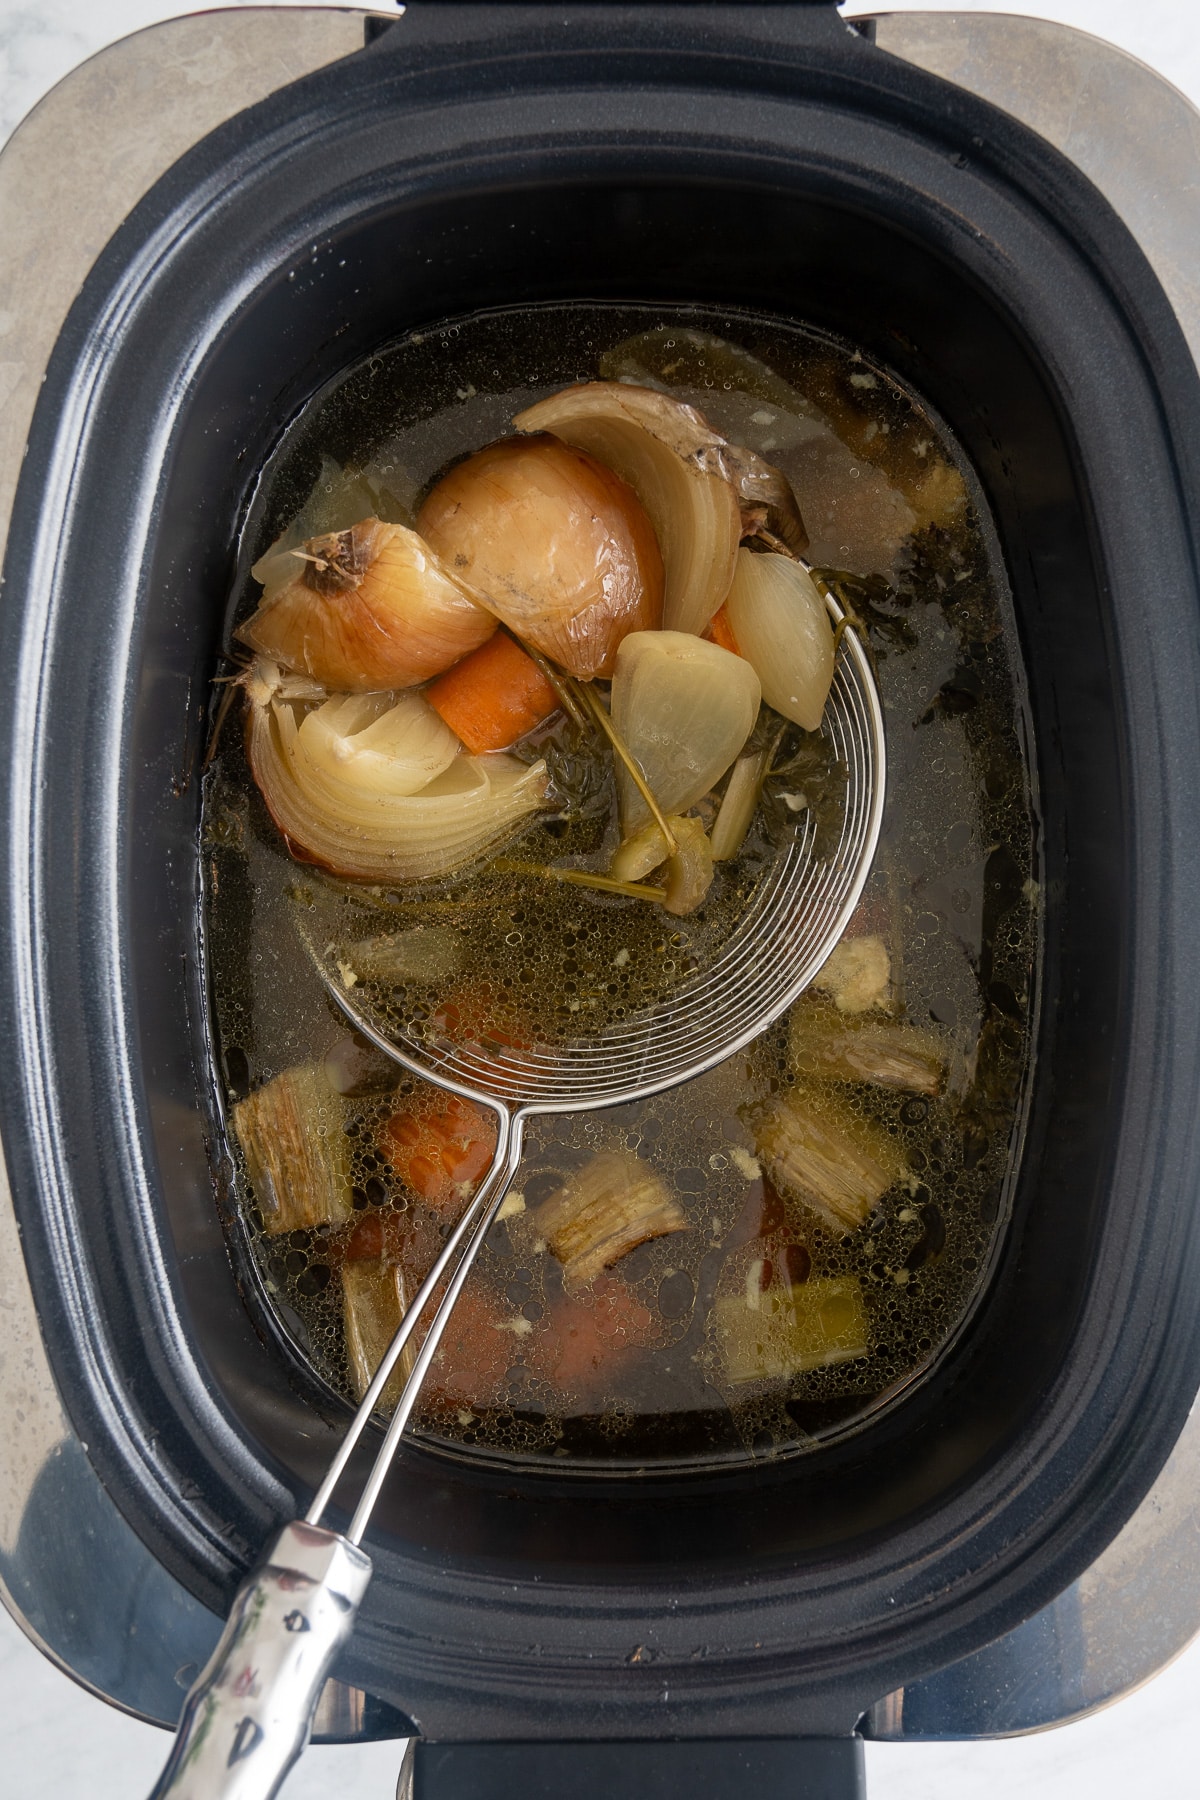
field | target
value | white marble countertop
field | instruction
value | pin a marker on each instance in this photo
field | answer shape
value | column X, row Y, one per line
column 57, row 1741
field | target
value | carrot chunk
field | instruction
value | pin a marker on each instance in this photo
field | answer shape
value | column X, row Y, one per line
column 440, row 1153
column 494, row 696
column 479, row 1343
column 590, row 1337
column 720, row 632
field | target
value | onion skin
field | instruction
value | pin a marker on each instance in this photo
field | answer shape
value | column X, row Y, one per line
column 781, row 626
column 765, row 499
column 684, row 708
column 658, row 445
column 365, row 827
column 364, row 609
column 554, row 544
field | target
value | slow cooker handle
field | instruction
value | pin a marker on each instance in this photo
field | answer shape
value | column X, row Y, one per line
column 250, row 1713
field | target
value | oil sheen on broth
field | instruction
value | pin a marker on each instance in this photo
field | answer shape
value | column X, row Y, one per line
column 658, row 1361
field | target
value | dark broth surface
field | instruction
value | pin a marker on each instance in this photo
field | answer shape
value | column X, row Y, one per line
column 899, row 533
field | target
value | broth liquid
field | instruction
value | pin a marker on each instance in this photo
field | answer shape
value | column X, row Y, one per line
column 900, row 533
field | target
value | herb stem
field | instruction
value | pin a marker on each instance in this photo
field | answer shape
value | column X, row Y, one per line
column 605, row 884
column 561, row 685
column 596, row 707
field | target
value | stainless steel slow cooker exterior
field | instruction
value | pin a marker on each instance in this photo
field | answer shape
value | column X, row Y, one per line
column 886, row 1714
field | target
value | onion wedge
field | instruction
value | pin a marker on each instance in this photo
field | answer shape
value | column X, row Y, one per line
column 684, row 708
column 392, row 807
column 364, row 609
column 782, row 628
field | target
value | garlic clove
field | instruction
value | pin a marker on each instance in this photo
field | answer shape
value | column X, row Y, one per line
column 554, row 544
column 684, row 708
column 666, row 451
column 367, row 608
column 688, row 874
column 690, row 870
column 641, row 852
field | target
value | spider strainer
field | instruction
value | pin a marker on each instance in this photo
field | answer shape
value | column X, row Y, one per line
column 293, row 1615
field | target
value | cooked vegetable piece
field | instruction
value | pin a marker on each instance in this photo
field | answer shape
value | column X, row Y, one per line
column 857, row 975
column 885, row 1052
column 440, row 1150
column 814, row 1146
column 720, row 631
column 425, row 953
column 382, row 744
column 781, row 626
column 483, row 1017
column 590, row 1336
column 607, row 1208
column 410, row 1237
column 374, row 1236
column 763, row 1215
column 354, row 1068
column 684, row 708
column 364, row 609
column 787, row 1329
column 361, row 815
column 292, row 1133
column 644, row 850
column 373, row 1303
column 765, row 499
column 739, row 802
column 481, row 1340
column 552, row 542
column 688, row 874
column 650, row 440
column 690, row 870
column 494, row 696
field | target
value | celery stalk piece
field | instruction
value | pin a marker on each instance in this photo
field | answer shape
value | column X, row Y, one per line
column 292, row 1133
column 607, row 1208
column 865, row 1047
column 815, row 1146
column 374, row 1302
column 791, row 1329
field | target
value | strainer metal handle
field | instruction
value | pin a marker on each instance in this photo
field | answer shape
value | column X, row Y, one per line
column 249, row 1714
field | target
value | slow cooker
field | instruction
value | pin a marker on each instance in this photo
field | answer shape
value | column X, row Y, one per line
column 699, row 1629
